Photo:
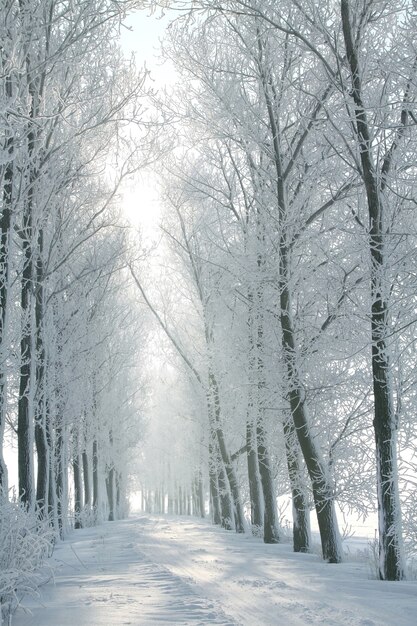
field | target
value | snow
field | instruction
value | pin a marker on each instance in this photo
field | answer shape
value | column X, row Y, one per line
column 179, row 570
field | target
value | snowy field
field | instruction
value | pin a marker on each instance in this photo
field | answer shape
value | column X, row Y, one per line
column 172, row 570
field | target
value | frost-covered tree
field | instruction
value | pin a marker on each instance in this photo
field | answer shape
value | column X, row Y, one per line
column 69, row 94
column 327, row 95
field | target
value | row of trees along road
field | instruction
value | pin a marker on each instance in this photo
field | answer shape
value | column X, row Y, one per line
column 68, row 369
column 289, row 299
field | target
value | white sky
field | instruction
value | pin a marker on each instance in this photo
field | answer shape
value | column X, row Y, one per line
column 140, row 36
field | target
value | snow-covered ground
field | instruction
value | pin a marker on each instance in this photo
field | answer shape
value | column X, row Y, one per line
column 173, row 570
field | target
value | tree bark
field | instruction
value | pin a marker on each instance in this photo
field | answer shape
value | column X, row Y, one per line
column 95, row 476
column 52, row 509
column 78, row 501
column 200, row 495
column 110, row 493
column 384, row 422
column 60, row 482
column 255, row 489
column 271, row 532
column 227, row 520
column 86, row 478
column 214, row 411
column 322, row 489
column 300, row 506
column 258, row 386
column 42, row 451
column 5, row 227
column 214, row 486
column 24, row 425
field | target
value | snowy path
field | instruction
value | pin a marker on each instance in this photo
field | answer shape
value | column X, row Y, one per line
column 165, row 570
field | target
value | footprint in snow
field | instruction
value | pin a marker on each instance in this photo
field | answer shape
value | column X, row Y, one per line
column 261, row 583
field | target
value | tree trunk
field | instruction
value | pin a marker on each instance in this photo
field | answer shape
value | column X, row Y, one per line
column 24, row 426
column 385, row 426
column 194, row 497
column 59, row 471
column 256, row 359
column 42, row 453
column 300, row 507
column 255, row 489
column 214, row 486
column 200, row 495
column 322, row 489
column 214, row 401
column 78, row 502
column 110, row 493
column 271, row 533
column 52, row 509
column 86, row 477
column 40, row 395
column 5, row 228
column 226, row 507
column 118, row 507
column 95, row 477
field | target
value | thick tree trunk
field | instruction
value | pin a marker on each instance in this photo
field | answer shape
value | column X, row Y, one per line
column 322, row 489
column 194, row 497
column 42, row 453
column 60, row 482
column 256, row 359
column 5, row 228
column 78, row 497
column 181, row 500
column 110, row 493
column 52, row 509
column 86, row 478
column 214, row 402
column 214, row 486
column 300, row 506
column 385, row 427
column 95, row 477
column 389, row 511
column 40, row 395
column 255, row 490
column 255, row 483
column 226, row 506
column 163, row 507
column 118, row 507
column 24, row 425
column 25, row 404
column 271, row 533
column 200, row 495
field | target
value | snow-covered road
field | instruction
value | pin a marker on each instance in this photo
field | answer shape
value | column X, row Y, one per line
column 166, row 570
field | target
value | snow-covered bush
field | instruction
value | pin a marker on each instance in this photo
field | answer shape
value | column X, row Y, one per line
column 25, row 543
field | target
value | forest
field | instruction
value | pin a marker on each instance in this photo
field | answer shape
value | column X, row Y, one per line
column 259, row 341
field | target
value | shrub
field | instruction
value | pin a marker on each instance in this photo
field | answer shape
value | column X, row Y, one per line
column 25, row 543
